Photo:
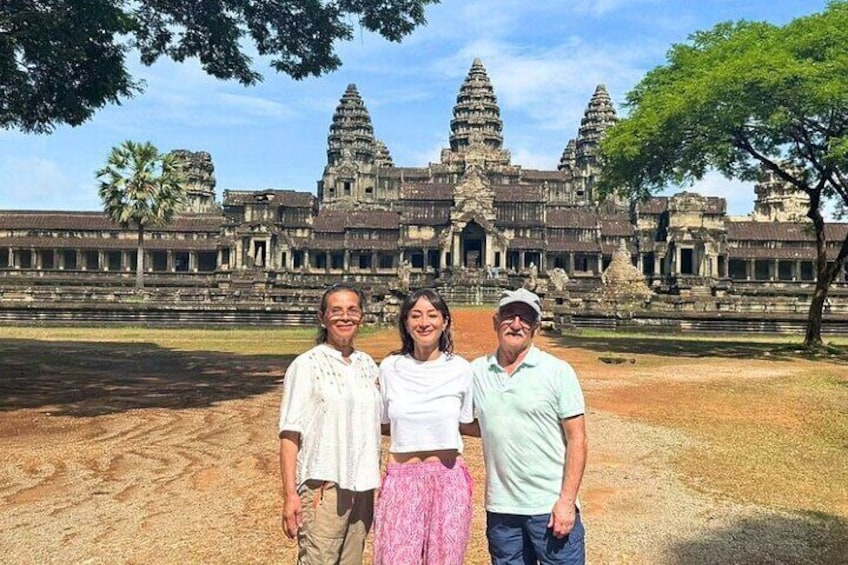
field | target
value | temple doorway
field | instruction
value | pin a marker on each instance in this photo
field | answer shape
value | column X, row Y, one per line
column 473, row 240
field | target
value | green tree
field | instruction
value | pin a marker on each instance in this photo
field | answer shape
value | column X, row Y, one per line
column 140, row 188
column 62, row 60
column 738, row 98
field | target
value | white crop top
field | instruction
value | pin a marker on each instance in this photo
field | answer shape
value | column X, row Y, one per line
column 424, row 401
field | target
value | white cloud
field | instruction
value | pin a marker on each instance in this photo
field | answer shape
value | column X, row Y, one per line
column 29, row 182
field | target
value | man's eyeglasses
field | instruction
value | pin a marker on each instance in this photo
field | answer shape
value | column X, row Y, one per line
column 508, row 317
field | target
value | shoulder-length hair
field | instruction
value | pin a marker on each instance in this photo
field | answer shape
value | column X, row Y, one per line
column 322, row 308
column 433, row 297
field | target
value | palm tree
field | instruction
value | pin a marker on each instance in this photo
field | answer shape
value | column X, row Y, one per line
column 140, row 187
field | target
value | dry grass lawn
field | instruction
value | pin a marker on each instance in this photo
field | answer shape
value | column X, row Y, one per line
column 159, row 446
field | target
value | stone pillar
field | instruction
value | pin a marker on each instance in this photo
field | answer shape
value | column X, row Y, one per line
column 599, row 264
column 749, row 269
column 443, row 258
column 56, row 256
column 306, row 266
column 192, row 261
column 11, row 261
column 521, row 263
column 658, row 259
column 374, row 262
column 60, row 261
column 571, row 264
column 81, row 266
column 677, row 258
column 328, row 262
column 346, row 261
column 35, row 258
column 489, row 259
column 796, row 271
column 171, row 264
column 543, row 262
column 456, row 251
column 775, row 270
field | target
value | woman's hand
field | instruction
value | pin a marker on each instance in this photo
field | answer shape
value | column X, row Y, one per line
column 292, row 515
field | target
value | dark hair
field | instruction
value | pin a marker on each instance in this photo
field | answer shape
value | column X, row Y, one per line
column 338, row 287
column 433, row 297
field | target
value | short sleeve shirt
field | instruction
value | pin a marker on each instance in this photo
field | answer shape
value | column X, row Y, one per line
column 335, row 407
column 520, row 419
column 425, row 401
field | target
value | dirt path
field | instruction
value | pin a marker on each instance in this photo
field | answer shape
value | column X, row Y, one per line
column 192, row 477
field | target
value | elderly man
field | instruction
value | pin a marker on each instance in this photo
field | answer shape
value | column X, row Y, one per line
column 530, row 411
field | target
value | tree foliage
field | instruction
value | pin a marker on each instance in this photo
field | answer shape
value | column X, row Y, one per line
column 140, row 188
column 738, row 98
column 62, row 60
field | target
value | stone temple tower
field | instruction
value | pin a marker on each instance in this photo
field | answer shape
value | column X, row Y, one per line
column 198, row 174
column 353, row 155
column 476, row 127
column 778, row 201
column 597, row 118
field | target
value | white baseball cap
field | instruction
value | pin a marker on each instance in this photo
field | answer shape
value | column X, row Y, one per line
column 525, row 297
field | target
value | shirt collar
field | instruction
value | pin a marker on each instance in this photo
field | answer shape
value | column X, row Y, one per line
column 532, row 358
column 336, row 354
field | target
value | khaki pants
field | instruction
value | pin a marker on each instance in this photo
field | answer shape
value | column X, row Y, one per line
column 335, row 524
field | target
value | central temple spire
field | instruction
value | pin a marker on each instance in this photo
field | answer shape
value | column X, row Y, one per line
column 476, row 116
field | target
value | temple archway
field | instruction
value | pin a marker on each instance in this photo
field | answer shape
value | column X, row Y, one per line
column 473, row 246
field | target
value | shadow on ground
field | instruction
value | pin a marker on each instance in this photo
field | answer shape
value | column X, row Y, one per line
column 807, row 538
column 90, row 379
column 689, row 347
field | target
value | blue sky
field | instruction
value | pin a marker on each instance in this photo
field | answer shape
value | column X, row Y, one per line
column 544, row 58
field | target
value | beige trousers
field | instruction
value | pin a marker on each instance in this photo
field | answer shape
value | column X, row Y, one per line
column 335, row 524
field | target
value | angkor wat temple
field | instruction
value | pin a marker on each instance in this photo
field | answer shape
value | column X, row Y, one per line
column 470, row 224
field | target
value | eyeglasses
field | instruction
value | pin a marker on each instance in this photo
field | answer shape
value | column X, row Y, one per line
column 354, row 314
column 505, row 318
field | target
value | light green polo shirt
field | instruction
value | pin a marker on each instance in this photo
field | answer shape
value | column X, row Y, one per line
column 520, row 419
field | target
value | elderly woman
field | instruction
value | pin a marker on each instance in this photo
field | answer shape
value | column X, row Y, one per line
column 330, row 438
column 424, row 512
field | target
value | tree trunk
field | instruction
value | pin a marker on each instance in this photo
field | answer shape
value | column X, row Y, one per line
column 139, row 260
column 825, row 275
column 813, row 339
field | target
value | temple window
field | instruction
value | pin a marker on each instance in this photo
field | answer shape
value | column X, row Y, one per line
column 762, row 270
column 386, row 261
column 113, row 260
column 159, row 261
column 4, row 258
column 181, row 263
column 69, row 259
column 738, row 269
column 25, row 258
column 206, row 261
column 687, row 263
column 347, row 187
column 91, row 260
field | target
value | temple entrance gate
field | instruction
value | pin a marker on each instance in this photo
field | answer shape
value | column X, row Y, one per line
column 473, row 243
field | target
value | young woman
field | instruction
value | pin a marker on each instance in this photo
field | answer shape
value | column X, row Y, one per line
column 330, row 438
column 424, row 510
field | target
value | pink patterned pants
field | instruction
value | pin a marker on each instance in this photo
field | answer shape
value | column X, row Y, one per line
column 423, row 515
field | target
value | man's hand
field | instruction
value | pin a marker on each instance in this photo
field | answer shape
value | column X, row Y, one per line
column 292, row 515
column 562, row 519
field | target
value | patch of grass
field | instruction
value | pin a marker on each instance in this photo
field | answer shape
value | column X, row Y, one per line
column 251, row 341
